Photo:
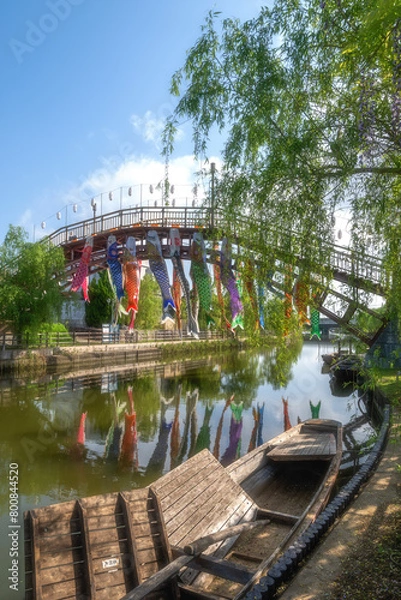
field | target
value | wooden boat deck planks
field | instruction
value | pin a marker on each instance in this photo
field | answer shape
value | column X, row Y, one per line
column 199, row 497
column 320, row 446
column 95, row 548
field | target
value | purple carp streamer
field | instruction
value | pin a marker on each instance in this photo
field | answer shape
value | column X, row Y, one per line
column 229, row 281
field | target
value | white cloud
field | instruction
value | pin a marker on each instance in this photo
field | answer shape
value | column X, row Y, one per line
column 116, row 175
column 150, row 127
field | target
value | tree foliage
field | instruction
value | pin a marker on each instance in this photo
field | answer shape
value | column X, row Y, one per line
column 30, row 295
column 149, row 305
column 307, row 97
column 99, row 309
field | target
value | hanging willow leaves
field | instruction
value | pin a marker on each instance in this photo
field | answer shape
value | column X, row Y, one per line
column 306, row 97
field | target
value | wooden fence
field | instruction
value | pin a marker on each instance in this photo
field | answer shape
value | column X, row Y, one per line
column 90, row 337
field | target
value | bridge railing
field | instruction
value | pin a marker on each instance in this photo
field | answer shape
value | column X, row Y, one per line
column 166, row 216
column 358, row 265
column 92, row 337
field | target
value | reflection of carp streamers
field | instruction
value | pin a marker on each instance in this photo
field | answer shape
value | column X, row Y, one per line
column 156, row 462
column 200, row 275
column 175, row 245
column 203, row 437
column 261, row 410
column 287, row 422
column 113, row 439
column 315, row 323
column 191, row 402
column 261, row 301
column 229, row 282
column 115, row 268
column 175, row 430
column 301, row 297
column 159, row 269
column 252, row 441
column 217, row 283
column 129, row 445
column 315, row 409
column 256, row 435
column 132, row 278
column 81, row 429
column 234, row 447
column 80, row 276
column 216, row 449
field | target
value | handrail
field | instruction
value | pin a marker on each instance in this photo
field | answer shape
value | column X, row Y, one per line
column 356, row 264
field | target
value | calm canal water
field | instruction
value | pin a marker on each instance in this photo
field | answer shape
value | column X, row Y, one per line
column 105, row 431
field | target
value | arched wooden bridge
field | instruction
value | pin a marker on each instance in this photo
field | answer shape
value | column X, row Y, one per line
column 362, row 276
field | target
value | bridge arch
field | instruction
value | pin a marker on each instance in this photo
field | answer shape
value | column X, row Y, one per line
column 358, row 273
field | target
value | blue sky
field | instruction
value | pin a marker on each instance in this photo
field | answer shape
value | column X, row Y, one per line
column 85, row 92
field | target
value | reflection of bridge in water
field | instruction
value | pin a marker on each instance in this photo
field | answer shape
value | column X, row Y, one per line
column 351, row 279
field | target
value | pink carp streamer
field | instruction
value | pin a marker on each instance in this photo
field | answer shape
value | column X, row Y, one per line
column 287, row 422
column 80, row 278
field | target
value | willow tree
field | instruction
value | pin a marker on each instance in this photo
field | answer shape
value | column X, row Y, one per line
column 307, row 97
column 30, row 294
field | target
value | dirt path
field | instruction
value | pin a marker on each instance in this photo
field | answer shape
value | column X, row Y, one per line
column 315, row 580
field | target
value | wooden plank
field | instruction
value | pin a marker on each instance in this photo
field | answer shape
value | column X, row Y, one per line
column 158, row 579
column 204, row 499
column 305, row 447
column 213, row 515
column 53, row 512
column 162, row 527
column 89, row 574
column 58, row 526
column 62, row 590
column 64, row 573
column 222, row 568
column 201, row 544
column 136, row 574
column 173, row 483
column 182, row 493
column 111, row 592
column 275, row 515
column 36, row 579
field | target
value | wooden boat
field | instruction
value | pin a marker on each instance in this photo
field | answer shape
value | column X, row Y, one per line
column 211, row 532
